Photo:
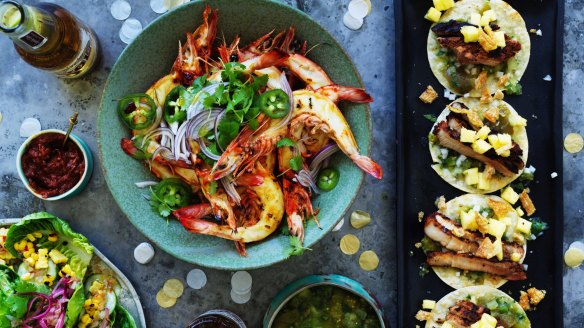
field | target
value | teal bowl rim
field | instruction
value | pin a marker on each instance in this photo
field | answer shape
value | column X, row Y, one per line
column 185, row 258
column 346, row 283
column 87, row 158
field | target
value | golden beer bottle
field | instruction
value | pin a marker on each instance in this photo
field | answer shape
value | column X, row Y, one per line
column 49, row 37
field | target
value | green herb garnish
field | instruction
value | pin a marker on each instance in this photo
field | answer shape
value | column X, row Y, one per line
column 296, row 247
column 431, row 117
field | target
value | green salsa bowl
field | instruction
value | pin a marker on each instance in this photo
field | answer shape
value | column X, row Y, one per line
column 295, row 289
column 150, row 56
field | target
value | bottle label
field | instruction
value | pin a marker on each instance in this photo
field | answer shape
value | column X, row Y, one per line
column 33, row 39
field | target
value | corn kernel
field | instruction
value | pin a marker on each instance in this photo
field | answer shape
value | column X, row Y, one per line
column 53, row 237
column 30, row 237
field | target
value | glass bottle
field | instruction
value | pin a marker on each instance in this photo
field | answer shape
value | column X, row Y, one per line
column 49, row 37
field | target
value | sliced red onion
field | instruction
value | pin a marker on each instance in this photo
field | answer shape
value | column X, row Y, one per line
column 322, row 155
column 305, row 179
column 162, row 131
column 229, row 187
column 197, row 123
column 166, row 153
column 216, row 133
column 207, row 152
column 144, row 184
column 178, row 146
column 197, row 106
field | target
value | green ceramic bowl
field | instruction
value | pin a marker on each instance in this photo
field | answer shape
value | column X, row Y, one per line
column 150, row 57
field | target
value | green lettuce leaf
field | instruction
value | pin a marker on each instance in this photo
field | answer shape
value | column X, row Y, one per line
column 123, row 319
column 73, row 245
column 75, row 306
column 12, row 306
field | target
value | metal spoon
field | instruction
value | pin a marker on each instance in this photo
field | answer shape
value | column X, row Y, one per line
column 72, row 122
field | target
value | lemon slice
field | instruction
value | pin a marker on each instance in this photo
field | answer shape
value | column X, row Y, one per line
column 164, row 300
column 574, row 257
column 368, row 261
column 573, row 143
column 350, row 244
column 359, row 219
column 359, row 8
column 173, row 288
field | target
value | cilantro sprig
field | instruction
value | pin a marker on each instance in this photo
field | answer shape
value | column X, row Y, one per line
column 296, row 248
column 239, row 96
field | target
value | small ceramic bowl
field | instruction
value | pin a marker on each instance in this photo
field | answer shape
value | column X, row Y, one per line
column 81, row 184
column 336, row 280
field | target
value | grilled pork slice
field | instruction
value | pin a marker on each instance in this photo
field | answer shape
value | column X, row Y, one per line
column 450, row 28
column 473, row 53
column 448, row 134
column 465, row 313
column 450, row 36
column 506, row 269
column 452, row 236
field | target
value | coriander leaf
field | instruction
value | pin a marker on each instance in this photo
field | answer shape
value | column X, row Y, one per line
column 431, row 117
column 538, row 226
column 228, row 129
column 212, row 187
column 296, row 247
column 259, row 82
column 296, row 163
column 199, row 84
column 513, row 88
column 285, row 230
column 285, row 142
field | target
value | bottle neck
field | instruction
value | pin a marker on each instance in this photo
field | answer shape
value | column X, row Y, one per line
column 30, row 28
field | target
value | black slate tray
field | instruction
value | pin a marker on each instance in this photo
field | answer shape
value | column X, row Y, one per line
column 419, row 185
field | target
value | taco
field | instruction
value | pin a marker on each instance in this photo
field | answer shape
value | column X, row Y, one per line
column 478, row 47
column 479, row 148
column 102, row 307
column 476, row 240
column 478, row 306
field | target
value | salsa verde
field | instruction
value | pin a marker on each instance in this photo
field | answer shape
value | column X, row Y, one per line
column 326, row 307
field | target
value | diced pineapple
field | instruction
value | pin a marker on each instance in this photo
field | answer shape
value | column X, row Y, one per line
column 488, row 17
column 496, row 228
column 469, row 220
column 524, row 226
column 443, row 4
column 483, row 132
column 500, row 38
column 471, row 176
column 428, row 304
column 505, row 139
column 498, row 245
column 489, row 320
column 516, row 120
column 470, row 33
column 519, row 211
column 506, row 153
column 475, row 19
column 515, row 257
column 57, row 256
column 433, row 15
column 467, row 135
column 510, row 195
column 480, row 146
column 484, row 182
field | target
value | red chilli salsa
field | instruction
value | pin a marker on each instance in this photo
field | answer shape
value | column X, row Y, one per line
column 50, row 169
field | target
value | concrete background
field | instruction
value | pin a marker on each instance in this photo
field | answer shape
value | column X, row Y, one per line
column 27, row 92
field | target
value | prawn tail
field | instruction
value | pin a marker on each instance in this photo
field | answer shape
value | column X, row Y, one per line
column 368, row 165
column 240, row 247
column 192, row 212
column 338, row 93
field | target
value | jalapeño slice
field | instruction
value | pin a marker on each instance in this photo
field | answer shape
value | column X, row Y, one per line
column 275, row 103
column 138, row 111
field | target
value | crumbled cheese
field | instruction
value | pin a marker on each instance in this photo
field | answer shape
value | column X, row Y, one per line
column 466, row 95
column 547, row 78
column 538, row 32
column 554, row 175
column 420, row 216
column 444, row 152
column 446, row 93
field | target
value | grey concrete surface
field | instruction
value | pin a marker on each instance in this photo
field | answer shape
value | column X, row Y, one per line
column 26, row 92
